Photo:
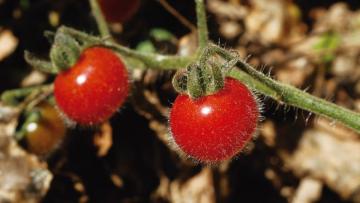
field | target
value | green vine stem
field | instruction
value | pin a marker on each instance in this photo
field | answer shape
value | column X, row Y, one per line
column 10, row 97
column 254, row 79
column 30, row 95
column 150, row 60
column 100, row 19
column 296, row 97
column 254, row 84
column 202, row 24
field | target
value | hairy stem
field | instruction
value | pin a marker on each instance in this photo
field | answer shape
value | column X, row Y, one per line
column 151, row 60
column 202, row 24
column 295, row 97
column 251, row 77
column 10, row 97
column 100, row 19
column 254, row 84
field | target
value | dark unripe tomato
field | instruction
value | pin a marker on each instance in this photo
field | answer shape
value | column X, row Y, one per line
column 44, row 135
column 93, row 89
column 216, row 127
column 119, row 11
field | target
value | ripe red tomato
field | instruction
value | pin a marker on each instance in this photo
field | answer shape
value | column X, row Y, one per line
column 43, row 136
column 215, row 127
column 119, row 10
column 94, row 88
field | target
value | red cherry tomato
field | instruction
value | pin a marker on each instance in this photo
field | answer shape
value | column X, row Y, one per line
column 94, row 88
column 119, row 11
column 215, row 127
column 43, row 136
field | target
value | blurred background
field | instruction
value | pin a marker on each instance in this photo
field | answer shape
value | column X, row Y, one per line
column 295, row 157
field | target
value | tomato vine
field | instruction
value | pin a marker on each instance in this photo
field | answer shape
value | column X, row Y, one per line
column 259, row 82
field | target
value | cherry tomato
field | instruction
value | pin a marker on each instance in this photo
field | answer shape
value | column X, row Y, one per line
column 119, row 11
column 215, row 127
column 93, row 89
column 43, row 136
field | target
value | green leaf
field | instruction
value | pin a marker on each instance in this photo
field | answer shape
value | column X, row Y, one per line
column 39, row 64
column 146, row 47
column 160, row 34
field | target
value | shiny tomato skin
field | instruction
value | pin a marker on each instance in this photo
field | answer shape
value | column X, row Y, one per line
column 216, row 127
column 119, row 11
column 93, row 89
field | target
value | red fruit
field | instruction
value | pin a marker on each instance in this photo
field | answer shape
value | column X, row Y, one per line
column 94, row 88
column 119, row 11
column 215, row 127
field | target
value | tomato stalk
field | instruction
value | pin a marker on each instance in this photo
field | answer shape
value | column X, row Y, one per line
column 100, row 19
column 295, row 97
column 201, row 24
column 150, row 60
column 12, row 97
column 201, row 78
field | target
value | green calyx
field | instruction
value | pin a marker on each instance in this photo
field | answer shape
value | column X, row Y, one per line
column 199, row 80
column 205, row 77
column 64, row 53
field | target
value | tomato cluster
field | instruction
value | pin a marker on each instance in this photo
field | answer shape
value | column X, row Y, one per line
column 211, row 120
column 211, row 128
